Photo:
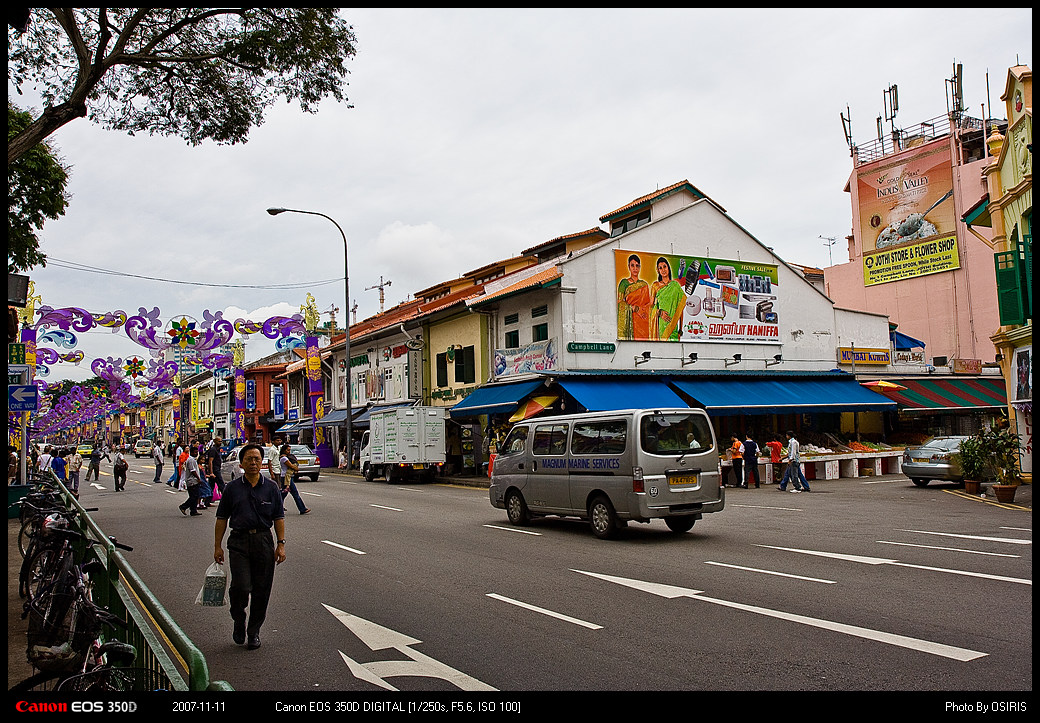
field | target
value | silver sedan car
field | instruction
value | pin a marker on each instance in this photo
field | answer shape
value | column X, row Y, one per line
column 935, row 459
column 309, row 466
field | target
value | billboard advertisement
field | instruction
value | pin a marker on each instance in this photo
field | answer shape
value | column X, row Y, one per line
column 907, row 217
column 668, row 297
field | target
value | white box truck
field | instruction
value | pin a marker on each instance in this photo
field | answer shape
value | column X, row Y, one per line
column 403, row 442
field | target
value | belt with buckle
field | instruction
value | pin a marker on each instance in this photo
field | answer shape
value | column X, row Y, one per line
column 249, row 532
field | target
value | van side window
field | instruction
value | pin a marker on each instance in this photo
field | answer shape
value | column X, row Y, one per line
column 550, row 439
column 606, row 437
column 516, row 441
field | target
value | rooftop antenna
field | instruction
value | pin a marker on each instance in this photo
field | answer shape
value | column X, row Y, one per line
column 331, row 311
column 846, row 125
column 891, row 96
column 353, row 311
column 380, row 286
column 829, row 242
column 955, row 91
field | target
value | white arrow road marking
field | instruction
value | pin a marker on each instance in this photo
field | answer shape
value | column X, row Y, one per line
column 1008, row 540
column 897, row 563
column 947, row 549
column 771, row 572
column 669, row 591
column 513, row 529
column 543, row 611
column 97, row 486
column 376, row 637
column 343, row 547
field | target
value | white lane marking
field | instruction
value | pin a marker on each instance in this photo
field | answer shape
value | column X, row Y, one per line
column 926, row 646
column 376, row 637
column 343, row 547
column 543, row 611
column 1018, row 529
column 882, row 561
column 772, row 507
column 947, row 549
column 310, row 494
column 513, row 529
column 771, row 572
column 384, row 507
column 1008, row 540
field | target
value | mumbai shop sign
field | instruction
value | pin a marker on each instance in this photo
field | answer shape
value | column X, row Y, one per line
column 848, row 355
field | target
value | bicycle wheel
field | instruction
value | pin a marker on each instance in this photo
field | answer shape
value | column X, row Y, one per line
column 39, row 573
column 116, row 680
column 28, row 532
column 44, row 681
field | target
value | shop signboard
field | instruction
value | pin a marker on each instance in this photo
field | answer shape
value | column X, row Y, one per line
column 907, row 217
column 967, row 366
column 668, row 297
column 848, row 355
column 537, row 357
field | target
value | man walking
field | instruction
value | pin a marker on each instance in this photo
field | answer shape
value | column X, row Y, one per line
column 95, row 461
column 157, row 456
column 794, row 467
column 178, row 451
column 750, row 461
column 75, row 465
column 213, row 461
column 251, row 505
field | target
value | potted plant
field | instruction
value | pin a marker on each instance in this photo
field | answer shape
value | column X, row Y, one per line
column 973, row 464
column 1002, row 446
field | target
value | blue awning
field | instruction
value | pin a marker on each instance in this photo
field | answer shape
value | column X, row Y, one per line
column 782, row 395
column 902, row 342
column 289, row 427
column 494, row 399
column 336, row 416
column 598, row 395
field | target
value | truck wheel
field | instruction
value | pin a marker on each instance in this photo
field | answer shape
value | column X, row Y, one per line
column 680, row 524
column 388, row 473
column 516, row 508
column 369, row 475
column 602, row 518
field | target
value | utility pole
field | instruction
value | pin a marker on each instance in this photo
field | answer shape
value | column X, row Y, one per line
column 380, row 286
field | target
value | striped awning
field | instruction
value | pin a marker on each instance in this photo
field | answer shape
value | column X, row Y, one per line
column 922, row 396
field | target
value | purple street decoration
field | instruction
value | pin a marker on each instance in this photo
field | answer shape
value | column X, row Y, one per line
column 317, row 394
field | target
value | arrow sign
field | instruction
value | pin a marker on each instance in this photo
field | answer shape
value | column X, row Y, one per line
column 902, row 641
column 22, row 398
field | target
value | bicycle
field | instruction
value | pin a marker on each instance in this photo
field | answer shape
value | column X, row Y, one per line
column 65, row 633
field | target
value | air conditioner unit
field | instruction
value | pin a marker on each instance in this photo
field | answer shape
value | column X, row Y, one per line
column 940, row 361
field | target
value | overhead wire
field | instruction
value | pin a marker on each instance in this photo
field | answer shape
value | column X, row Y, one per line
column 75, row 266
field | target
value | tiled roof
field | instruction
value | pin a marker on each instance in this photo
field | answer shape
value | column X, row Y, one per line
column 650, row 197
column 541, row 278
column 594, row 231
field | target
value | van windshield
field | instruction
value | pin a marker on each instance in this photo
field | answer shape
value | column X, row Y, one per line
column 675, row 433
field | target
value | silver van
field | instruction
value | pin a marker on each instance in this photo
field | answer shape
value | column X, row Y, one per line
column 609, row 468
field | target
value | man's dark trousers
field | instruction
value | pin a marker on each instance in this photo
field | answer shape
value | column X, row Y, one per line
column 251, row 557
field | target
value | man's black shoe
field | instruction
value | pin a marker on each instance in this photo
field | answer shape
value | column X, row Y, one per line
column 254, row 642
column 239, row 634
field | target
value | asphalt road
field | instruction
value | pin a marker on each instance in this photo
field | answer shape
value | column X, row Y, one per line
column 863, row 585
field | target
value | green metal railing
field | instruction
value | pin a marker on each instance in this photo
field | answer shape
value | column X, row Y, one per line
column 162, row 646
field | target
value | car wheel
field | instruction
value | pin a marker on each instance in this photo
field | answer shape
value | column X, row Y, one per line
column 602, row 518
column 920, row 482
column 680, row 524
column 516, row 508
column 313, row 478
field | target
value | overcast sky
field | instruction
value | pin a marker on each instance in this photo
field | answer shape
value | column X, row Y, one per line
column 476, row 134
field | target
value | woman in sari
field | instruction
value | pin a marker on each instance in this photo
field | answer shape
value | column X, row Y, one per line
column 667, row 306
column 633, row 298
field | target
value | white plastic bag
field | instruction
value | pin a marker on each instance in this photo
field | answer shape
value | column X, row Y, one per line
column 212, row 592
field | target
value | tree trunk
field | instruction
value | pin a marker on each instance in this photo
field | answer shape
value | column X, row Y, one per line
column 51, row 120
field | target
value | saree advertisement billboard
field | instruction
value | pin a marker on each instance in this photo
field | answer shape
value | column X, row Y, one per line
column 668, row 297
column 907, row 217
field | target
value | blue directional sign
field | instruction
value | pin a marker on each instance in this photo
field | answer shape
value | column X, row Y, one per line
column 22, row 398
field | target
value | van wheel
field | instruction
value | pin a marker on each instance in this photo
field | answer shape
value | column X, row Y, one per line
column 602, row 518
column 680, row 524
column 920, row 482
column 516, row 508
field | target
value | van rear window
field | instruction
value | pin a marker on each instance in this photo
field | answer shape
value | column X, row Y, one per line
column 605, row 437
column 674, row 433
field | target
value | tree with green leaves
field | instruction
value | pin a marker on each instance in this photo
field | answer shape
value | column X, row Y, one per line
column 35, row 192
column 195, row 73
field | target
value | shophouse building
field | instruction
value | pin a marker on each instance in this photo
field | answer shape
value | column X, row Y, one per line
column 1006, row 212
column 677, row 305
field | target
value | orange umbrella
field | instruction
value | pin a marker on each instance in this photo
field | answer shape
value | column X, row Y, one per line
column 532, row 407
column 881, row 385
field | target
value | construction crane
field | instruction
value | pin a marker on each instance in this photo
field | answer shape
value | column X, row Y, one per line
column 380, row 286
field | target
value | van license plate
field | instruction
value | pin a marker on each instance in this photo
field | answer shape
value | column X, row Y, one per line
column 689, row 479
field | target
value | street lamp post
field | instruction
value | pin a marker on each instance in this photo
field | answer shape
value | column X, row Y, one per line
column 346, row 324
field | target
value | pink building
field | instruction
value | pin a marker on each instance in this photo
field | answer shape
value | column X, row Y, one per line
column 911, row 257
